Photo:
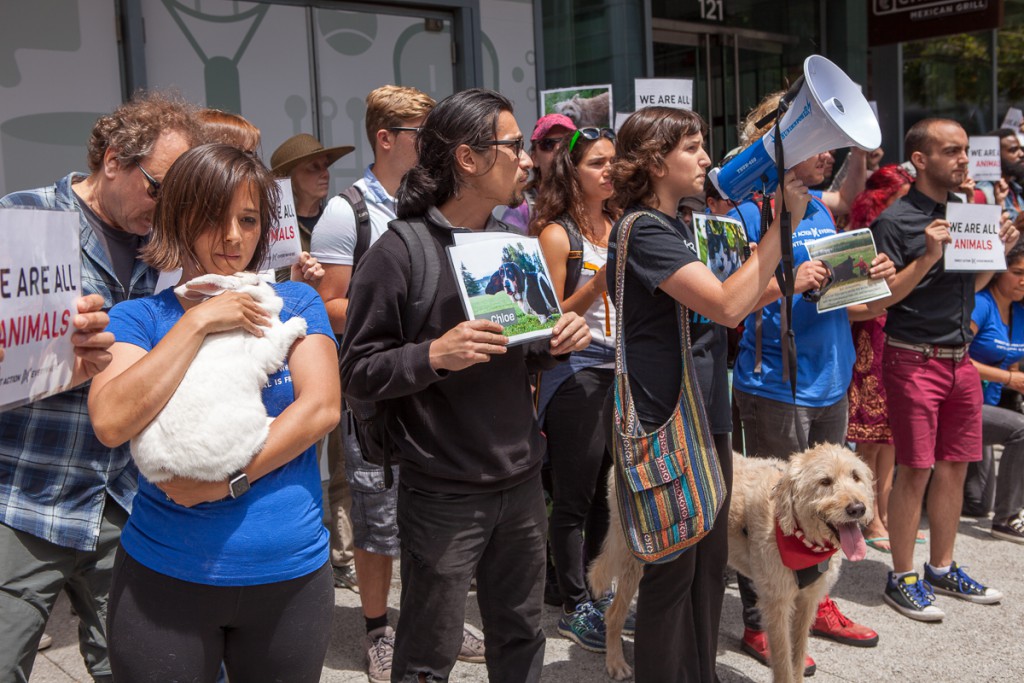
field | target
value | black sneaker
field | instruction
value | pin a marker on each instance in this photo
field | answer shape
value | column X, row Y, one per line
column 1012, row 530
column 956, row 583
column 345, row 577
column 629, row 625
column 585, row 627
column 912, row 597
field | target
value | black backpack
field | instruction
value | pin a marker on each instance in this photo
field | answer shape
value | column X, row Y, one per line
column 573, row 271
column 354, row 196
column 371, row 421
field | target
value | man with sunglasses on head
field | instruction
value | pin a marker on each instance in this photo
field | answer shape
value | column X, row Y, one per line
column 64, row 496
column 394, row 115
column 550, row 130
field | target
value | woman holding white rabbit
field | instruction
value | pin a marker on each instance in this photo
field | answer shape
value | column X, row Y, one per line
column 216, row 570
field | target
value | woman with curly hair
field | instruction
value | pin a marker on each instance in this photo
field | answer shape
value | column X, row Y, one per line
column 869, row 417
column 573, row 222
column 661, row 160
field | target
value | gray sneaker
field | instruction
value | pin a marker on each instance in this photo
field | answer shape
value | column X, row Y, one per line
column 380, row 650
column 472, row 646
column 345, row 577
column 45, row 642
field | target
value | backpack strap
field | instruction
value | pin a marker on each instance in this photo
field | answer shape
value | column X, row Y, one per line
column 354, row 196
column 574, row 261
column 424, row 282
column 425, row 274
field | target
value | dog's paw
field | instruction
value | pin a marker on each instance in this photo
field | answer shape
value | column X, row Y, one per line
column 620, row 671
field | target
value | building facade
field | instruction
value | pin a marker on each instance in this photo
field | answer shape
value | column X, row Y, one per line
column 293, row 66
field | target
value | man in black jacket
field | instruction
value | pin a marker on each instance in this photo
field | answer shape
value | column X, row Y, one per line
column 470, row 499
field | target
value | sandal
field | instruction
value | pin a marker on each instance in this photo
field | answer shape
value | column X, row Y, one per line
column 921, row 539
column 879, row 543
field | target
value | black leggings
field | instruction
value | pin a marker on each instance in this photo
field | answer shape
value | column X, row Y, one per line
column 165, row 630
column 580, row 460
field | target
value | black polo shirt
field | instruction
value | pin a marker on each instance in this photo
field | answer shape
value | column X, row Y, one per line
column 938, row 310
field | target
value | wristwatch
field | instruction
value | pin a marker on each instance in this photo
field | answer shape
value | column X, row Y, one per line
column 238, row 483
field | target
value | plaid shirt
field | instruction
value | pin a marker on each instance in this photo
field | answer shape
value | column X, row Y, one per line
column 54, row 472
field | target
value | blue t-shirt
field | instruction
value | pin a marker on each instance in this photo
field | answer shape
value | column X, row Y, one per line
column 824, row 345
column 993, row 344
column 272, row 533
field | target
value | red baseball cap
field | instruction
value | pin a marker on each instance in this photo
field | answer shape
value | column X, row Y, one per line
column 549, row 121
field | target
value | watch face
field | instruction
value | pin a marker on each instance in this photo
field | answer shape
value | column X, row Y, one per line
column 239, row 485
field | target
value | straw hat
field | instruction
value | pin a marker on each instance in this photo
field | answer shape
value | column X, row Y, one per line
column 300, row 148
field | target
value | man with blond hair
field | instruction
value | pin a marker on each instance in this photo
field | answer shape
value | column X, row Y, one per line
column 394, row 115
column 64, row 496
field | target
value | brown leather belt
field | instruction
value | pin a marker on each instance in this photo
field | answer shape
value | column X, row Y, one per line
column 956, row 353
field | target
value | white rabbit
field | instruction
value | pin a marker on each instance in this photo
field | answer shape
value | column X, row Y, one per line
column 215, row 421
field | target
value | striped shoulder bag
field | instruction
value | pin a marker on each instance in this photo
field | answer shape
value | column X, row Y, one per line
column 669, row 483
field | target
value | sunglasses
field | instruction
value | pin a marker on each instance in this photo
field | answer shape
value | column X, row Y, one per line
column 591, row 134
column 516, row 145
column 408, row 129
column 548, row 144
column 154, row 185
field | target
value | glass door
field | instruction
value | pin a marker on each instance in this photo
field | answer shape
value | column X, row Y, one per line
column 731, row 73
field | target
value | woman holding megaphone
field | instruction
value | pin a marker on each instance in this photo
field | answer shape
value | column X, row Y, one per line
column 779, row 419
column 661, row 160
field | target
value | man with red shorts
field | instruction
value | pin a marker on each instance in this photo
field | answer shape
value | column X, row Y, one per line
column 934, row 392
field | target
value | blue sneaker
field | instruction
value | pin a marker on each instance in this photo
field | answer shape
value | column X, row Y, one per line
column 629, row 626
column 585, row 627
column 912, row 597
column 956, row 583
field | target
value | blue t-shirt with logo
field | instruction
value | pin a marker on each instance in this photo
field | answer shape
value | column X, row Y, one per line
column 272, row 533
column 824, row 345
column 994, row 344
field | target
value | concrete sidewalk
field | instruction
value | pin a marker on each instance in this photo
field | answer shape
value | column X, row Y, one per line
column 974, row 643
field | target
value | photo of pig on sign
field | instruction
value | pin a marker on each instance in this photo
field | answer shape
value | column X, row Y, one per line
column 984, row 158
column 40, row 271
column 664, row 92
column 976, row 245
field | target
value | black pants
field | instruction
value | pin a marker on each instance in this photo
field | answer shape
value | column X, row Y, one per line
column 680, row 603
column 580, row 460
column 165, row 630
column 446, row 538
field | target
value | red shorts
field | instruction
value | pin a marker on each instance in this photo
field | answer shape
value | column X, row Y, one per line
column 934, row 408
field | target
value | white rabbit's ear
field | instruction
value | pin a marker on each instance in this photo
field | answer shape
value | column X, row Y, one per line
column 205, row 286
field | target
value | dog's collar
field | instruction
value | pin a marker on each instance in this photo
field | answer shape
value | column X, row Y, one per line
column 808, row 560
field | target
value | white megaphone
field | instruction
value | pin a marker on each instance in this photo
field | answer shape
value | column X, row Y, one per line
column 829, row 112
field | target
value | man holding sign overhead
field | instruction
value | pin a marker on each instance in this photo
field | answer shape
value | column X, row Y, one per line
column 64, row 496
column 933, row 390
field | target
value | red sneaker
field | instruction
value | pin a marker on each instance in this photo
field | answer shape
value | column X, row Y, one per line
column 755, row 644
column 831, row 623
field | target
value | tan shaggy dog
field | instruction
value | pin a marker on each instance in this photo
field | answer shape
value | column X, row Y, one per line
column 824, row 494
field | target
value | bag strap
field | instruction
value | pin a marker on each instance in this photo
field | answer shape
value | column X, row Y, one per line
column 574, row 261
column 354, row 196
column 425, row 274
column 621, row 255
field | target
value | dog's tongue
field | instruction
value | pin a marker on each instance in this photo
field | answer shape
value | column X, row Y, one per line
column 852, row 541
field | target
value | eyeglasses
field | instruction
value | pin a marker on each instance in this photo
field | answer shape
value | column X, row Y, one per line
column 408, row 129
column 154, row 185
column 516, row 145
column 591, row 134
column 548, row 144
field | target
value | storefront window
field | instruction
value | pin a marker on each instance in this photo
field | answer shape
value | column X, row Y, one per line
column 951, row 78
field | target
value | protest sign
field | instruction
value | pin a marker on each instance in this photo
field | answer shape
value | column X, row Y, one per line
column 587, row 105
column 984, row 158
column 40, row 281
column 620, row 118
column 975, row 231
column 664, row 92
column 848, row 257
column 1013, row 119
column 284, row 235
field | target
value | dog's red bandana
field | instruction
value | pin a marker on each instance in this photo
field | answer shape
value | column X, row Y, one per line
column 799, row 553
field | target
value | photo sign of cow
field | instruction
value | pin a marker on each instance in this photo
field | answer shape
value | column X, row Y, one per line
column 503, row 277
column 848, row 257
